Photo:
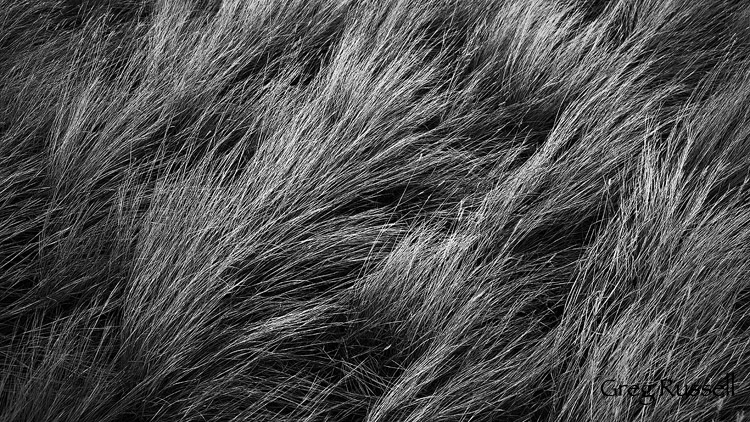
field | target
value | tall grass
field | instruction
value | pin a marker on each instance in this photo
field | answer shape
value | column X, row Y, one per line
column 319, row 210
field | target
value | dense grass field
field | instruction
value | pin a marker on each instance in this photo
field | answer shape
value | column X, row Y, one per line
column 332, row 210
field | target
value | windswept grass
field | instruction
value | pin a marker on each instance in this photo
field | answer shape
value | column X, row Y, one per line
column 320, row 210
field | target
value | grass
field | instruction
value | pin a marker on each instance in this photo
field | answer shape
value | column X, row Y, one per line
column 288, row 210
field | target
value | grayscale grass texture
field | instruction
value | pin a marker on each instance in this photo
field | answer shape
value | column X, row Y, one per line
column 318, row 210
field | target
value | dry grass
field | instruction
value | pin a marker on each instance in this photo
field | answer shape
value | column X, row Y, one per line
column 278, row 210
